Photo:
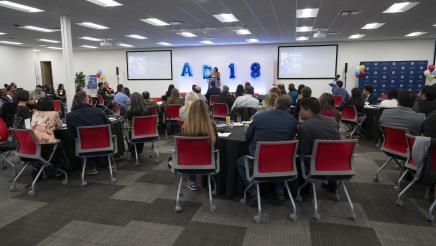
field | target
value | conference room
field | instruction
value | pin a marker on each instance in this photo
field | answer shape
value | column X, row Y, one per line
column 217, row 122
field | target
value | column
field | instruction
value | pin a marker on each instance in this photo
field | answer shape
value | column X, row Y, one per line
column 67, row 46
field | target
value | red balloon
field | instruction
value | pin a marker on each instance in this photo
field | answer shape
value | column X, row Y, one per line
column 431, row 68
column 98, row 75
column 362, row 75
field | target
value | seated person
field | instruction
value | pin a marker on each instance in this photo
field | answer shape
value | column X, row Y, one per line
column 122, row 99
column 404, row 116
column 45, row 120
column 268, row 103
column 239, row 91
column 168, row 93
column 190, row 98
column 327, row 104
column 197, row 89
column 274, row 125
column 293, row 93
column 306, row 92
column 23, row 112
column 356, row 100
column 37, row 93
column 137, row 108
column 225, row 97
column 213, row 90
column 247, row 100
column 339, row 91
column 147, row 101
column 369, row 96
column 108, row 89
column 174, row 98
column 392, row 101
column 83, row 114
column 428, row 126
column 427, row 100
column 102, row 92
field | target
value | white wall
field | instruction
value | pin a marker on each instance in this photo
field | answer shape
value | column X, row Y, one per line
column 16, row 65
column 221, row 56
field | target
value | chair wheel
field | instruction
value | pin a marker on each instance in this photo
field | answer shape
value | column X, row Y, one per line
column 430, row 218
column 113, row 180
column 353, row 216
column 212, row 208
column 178, row 208
column 399, row 203
column 156, row 162
column 396, row 188
column 299, row 198
column 242, row 201
column 293, row 217
column 84, row 183
column 316, row 217
column 12, row 189
column 136, row 163
column 376, row 179
column 31, row 193
column 337, row 197
column 149, row 156
column 65, row 181
column 257, row 219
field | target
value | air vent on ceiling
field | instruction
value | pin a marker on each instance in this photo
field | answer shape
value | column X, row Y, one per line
column 350, row 12
column 106, row 43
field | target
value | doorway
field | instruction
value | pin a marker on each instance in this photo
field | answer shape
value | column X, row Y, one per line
column 46, row 74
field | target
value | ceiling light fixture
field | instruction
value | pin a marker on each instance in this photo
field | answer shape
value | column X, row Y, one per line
column 135, row 36
column 374, row 25
column 400, row 7
column 307, row 13
column 89, row 47
column 302, row 38
column 48, row 41
column 242, row 32
column 54, row 48
column 93, row 25
column 10, row 42
column 105, row 3
column 252, row 40
column 2, row 33
column 155, row 22
column 304, row 29
column 350, row 12
column 20, row 7
column 164, row 43
column 187, row 34
column 38, row 29
column 415, row 34
column 356, row 36
column 206, row 42
column 36, row 50
column 125, row 45
column 226, row 18
column 91, row 39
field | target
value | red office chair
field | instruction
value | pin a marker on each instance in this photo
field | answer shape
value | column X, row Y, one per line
column 331, row 160
column 144, row 129
column 351, row 118
column 212, row 99
column 89, row 100
column 6, row 147
column 57, row 105
column 156, row 99
column 96, row 141
column 29, row 151
column 195, row 156
column 432, row 160
column 395, row 146
column 273, row 162
column 171, row 116
column 338, row 101
column 220, row 110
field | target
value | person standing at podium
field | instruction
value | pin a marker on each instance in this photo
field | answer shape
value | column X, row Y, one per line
column 217, row 76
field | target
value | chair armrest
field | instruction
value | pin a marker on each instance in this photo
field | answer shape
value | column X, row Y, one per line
column 217, row 160
column 247, row 168
column 303, row 166
column 115, row 140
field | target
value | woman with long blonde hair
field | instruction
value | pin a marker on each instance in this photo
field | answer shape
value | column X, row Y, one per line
column 190, row 98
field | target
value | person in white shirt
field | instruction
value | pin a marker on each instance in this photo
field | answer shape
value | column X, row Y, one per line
column 392, row 101
column 247, row 100
column 197, row 90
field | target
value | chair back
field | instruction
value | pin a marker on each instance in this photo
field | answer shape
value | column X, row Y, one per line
column 153, row 109
column 212, row 99
column 338, row 100
column 144, row 127
column 156, row 99
column 220, row 110
column 89, row 100
column 57, row 105
column 275, row 159
column 27, row 144
column 183, row 94
column 193, row 153
column 333, row 158
column 100, row 100
column 172, row 111
column 349, row 113
column 94, row 139
column 245, row 113
column 4, row 131
column 395, row 141
column 410, row 163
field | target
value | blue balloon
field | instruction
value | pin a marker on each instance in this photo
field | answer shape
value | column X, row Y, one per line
column 207, row 70
column 232, row 71
column 434, row 72
column 100, row 71
column 255, row 70
column 186, row 70
column 357, row 72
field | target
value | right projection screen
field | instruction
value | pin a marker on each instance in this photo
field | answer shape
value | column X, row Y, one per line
column 307, row 62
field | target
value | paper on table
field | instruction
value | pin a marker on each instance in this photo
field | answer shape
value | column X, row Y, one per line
column 112, row 119
column 224, row 134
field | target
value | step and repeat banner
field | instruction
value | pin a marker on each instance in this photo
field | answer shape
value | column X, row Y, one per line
column 387, row 75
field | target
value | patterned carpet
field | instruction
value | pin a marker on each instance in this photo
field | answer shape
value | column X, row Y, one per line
column 139, row 210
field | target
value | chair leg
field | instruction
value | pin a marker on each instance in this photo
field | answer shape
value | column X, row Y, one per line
column 84, row 183
column 136, row 155
column 14, row 181
column 114, row 164
column 352, row 133
column 400, row 202
column 157, row 153
column 353, row 214
column 244, row 199
column 214, row 191
column 428, row 193
column 5, row 159
column 316, row 215
column 293, row 214
column 299, row 198
column 178, row 208
column 212, row 207
column 398, row 186
column 430, row 216
column 113, row 179
column 32, row 191
column 381, row 168
column 65, row 181
column 258, row 216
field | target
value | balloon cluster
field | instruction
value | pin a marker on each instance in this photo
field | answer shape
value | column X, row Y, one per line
column 99, row 73
column 360, row 71
column 430, row 73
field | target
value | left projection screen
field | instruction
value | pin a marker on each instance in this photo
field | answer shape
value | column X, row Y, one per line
column 149, row 65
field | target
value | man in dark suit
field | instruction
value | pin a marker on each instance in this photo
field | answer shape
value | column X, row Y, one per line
column 225, row 97
column 368, row 95
column 274, row 125
column 213, row 90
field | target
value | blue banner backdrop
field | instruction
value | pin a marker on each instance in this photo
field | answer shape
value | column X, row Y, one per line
column 401, row 75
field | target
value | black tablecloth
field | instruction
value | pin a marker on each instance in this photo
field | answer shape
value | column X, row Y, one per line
column 371, row 125
column 231, row 148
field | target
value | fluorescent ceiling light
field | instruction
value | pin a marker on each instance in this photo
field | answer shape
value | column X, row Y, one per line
column 135, row 36
column 252, row 40
column 10, row 42
column 36, row 50
column 415, row 34
column 125, row 45
column 19, row 7
column 89, row 46
column 155, row 22
column 2, row 33
column 374, row 25
column 304, row 29
column 302, row 38
column 48, row 41
column 91, row 39
column 307, row 13
column 164, row 43
column 38, row 29
column 243, row 32
column 206, row 42
column 42, row 45
column 187, row 34
column 105, row 3
column 356, row 36
column 400, row 7
column 226, row 17
column 93, row 25
column 434, row 24
column 54, row 48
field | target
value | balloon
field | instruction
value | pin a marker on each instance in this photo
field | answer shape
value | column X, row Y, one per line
column 98, row 75
column 362, row 68
column 434, row 72
column 100, row 71
column 431, row 68
column 357, row 72
column 427, row 73
column 430, row 77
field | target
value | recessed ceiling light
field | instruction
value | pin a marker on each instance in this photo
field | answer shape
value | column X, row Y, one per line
column 43, row 45
column 92, row 25
column 155, row 22
column 415, row 34
column 187, row 34
column 19, row 7
column 54, row 48
column 252, row 40
column 164, row 43
column 304, row 29
column 91, row 39
column 226, row 17
column 105, row 3
column 125, row 45
column 400, row 7
column 434, row 24
column 356, row 36
column 2, row 33
column 36, row 50
column 48, row 41
column 38, row 29
column 302, row 38
column 374, row 25
column 89, row 46
column 206, row 42
column 10, row 42
column 242, row 32
column 307, row 13
column 135, row 36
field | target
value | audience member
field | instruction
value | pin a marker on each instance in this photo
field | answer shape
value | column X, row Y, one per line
column 108, row 89
column 293, row 93
column 122, row 99
column 426, row 102
column 45, row 120
column 247, row 100
column 239, row 91
column 274, row 125
column 190, row 98
column 225, row 97
column 168, row 92
column 137, row 108
column 200, row 96
column 174, row 98
column 23, row 112
column 282, row 89
column 147, row 101
column 213, row 90
column 327, row 104
column 299, row 95
column 37, row 93
column 305, row 93
column 392, row 101
column 102, row 92
column 368, row 95
column 404, row 116
column 61, row 94
column 11, row 90
column 356, row 100
column 339, row 91
column 268, row 103
column 7, row 108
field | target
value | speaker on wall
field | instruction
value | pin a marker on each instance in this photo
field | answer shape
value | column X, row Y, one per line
column 346, row 67
column 117, row 71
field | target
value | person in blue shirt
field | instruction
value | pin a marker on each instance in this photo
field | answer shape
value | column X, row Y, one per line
column 293, row 93
column 333, row 84
column 121, row 98
column 339, row 91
